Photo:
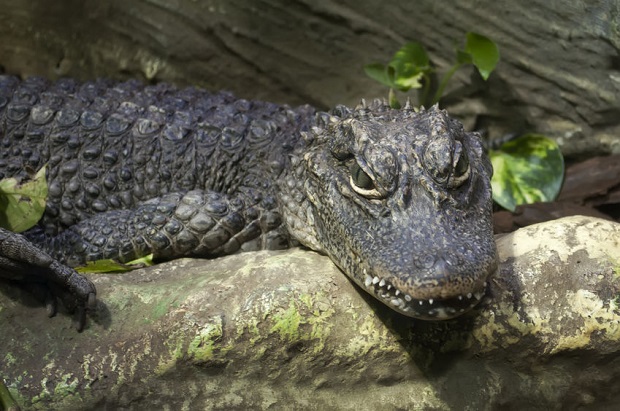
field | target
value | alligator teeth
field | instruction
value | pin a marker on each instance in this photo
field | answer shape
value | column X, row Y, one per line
column 397, row 302
column 368, row 280
column 397, row 292
column 382, row 283
column 407, row 297
column 375, row 280
column 460, row 298
column 389, row 287
column 430, row 301
column 469, row 295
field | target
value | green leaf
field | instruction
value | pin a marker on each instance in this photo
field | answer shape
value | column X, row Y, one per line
column 112, row 266
column 527, row 169
column 410, row 63
column 22, row 205
column 378, row 72
column 484, row 53
column 407, row 83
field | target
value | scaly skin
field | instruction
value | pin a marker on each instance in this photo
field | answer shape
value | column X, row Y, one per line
column 399, row 200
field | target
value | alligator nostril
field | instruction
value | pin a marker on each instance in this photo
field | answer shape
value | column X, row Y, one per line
column 438, row 265
column 425, row 261
column 437, row 262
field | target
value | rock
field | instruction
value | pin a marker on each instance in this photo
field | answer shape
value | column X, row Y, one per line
column 558, row 73
column 287, row 330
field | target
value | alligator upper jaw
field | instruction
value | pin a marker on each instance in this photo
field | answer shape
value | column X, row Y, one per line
column 439, row 308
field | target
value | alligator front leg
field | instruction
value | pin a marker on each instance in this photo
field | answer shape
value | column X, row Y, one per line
column 197, row 223
column 22, row 261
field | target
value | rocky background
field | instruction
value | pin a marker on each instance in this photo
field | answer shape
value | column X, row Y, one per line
column 558, row 75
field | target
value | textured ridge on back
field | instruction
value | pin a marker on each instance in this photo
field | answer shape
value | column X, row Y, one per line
column 110, row 145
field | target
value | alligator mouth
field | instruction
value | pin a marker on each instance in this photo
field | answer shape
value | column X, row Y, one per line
column 427, row 309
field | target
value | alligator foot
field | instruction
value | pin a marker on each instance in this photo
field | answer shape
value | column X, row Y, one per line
column 22, row 261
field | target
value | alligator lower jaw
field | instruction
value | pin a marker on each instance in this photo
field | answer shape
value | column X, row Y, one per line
column 426, row 309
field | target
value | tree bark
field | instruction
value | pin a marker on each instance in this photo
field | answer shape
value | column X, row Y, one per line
column 558, row 75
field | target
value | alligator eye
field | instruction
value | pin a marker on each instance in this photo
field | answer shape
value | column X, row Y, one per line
column 460, row 171
column 342, row 155
column 360, row 178
column 362, row 183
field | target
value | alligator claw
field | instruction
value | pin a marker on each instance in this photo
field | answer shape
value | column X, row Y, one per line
column 80, row 319
column 91, row 302
column 22, row 261
column 51, row 305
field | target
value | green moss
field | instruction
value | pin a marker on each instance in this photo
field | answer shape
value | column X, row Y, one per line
column 65, row 387
column 365, row 339
column 204, row 344
column 287, row 323
column 307, row 300
column 253, row 330
column 178, row 349
column 320, row 320
column 161, row 308
column 175, row 344
column 307, row 318
column 9, row 358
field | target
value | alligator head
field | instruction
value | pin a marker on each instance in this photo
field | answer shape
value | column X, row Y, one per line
column 401, row 202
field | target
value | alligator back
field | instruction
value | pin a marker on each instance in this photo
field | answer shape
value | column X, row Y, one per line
column 110, row 145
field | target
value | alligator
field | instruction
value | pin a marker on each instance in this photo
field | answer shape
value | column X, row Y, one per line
column 400, row 200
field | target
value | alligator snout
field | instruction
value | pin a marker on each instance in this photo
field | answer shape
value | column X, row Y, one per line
column 441, row 291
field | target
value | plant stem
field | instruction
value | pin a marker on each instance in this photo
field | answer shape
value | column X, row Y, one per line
column 425, row 89
column 392, row 99
column 444, row 81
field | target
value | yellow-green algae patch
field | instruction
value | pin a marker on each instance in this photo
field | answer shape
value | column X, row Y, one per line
column 369, row 335
column 66, row 386
column 202, row 347
column 596, row 316
column 9, row 359
column 287, row 323
column 175, row 351
column 304, row 318
column 493, row 332
column 304, row 309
